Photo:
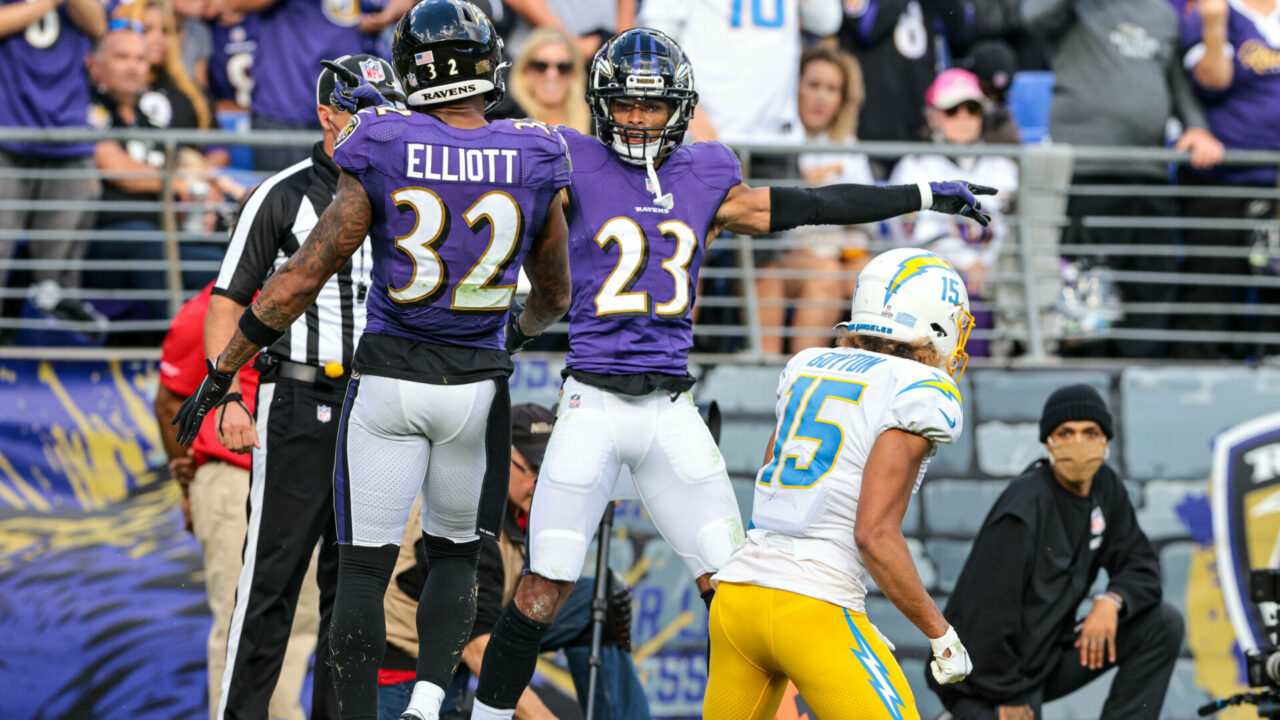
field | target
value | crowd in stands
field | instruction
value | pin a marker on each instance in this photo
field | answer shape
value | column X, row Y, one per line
column 1195, row 75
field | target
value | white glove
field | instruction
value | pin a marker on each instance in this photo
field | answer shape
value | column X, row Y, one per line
column 949, row 669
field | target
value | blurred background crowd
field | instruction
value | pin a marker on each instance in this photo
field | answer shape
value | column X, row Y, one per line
column 800, row 84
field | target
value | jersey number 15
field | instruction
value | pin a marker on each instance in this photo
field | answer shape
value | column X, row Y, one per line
column 805, row 400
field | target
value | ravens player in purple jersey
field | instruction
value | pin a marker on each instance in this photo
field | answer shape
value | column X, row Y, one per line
column 453, row 206
column 642, row 209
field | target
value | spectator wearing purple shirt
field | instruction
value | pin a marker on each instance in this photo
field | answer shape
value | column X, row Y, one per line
column 43, row 44
column 1232, row 54
column 302, row 33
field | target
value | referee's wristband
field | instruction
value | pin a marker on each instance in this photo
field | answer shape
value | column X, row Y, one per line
column 258, row 332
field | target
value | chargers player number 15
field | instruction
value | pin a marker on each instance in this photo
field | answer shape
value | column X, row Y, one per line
column 801, row 421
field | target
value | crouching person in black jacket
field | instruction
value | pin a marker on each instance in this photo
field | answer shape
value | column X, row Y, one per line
column 1032, row 565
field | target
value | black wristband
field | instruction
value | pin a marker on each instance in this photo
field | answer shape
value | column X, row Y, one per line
column 845, row 204
column 258, row 332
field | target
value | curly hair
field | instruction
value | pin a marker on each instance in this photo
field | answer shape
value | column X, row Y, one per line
column 922, row 351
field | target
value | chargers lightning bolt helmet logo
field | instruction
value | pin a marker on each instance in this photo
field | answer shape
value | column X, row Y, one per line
column 913, row 267
column 910, row 295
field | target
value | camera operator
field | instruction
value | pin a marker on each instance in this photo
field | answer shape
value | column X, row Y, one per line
column 1032, row 565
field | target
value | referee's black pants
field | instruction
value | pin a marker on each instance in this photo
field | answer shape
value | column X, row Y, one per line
column 290, row 508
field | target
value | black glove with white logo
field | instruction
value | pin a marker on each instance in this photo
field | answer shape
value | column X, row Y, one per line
column 208, row 396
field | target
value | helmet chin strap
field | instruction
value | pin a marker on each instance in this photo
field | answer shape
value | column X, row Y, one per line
column 662, row 201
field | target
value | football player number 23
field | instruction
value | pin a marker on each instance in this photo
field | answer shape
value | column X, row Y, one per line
column 800, row 421
column 616, row 296
column 476, row 291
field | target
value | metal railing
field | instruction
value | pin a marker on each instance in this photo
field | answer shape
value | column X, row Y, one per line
column 1024, row 289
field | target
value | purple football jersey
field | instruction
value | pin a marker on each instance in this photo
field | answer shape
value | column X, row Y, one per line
column 454, row 211
column 302, row 33
column 46, row 84
column 635, row 263
column 1234, row 113
column 231, row 63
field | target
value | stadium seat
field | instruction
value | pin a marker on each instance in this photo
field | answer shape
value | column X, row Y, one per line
column 1203, row 403
column 958, row 507
column 742, row 444
column 948, row 557
column 1175, row 567
column 740, row 389
column 1030, row 98
column 1019, row 395
column 1005, row 449
column 954, row 459
column 1158, row 517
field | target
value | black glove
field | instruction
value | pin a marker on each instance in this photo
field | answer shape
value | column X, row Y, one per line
column 516, row 339
column 618, row 616
column 208, row 396
column 957, row 198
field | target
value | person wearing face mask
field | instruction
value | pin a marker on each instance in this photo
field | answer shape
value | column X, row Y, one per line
column 1034, row 563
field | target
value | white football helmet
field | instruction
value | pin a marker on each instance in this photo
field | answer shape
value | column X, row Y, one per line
column 911, row 294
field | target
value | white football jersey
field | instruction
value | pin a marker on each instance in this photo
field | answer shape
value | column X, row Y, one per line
column 746, row 58
column 832, row 406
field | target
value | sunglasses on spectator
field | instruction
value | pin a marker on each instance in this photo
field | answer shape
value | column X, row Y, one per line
column 542, row 66
column 969, row 106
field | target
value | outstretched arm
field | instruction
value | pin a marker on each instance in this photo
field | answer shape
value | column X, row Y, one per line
column 754, row 211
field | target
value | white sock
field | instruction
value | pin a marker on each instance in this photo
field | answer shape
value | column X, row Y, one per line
column 480, row 711
column 426, row 700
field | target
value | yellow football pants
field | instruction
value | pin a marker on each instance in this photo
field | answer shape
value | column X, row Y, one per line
column 760, row 637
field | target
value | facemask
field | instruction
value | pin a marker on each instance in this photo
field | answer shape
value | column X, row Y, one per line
column 1078, row 461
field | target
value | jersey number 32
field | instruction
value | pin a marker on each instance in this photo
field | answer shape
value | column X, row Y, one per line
column 476, row 291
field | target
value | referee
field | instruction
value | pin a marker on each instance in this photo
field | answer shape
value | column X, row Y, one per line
column 304, row 377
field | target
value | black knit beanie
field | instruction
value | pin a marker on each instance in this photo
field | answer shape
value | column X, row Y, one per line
column 1074, row 403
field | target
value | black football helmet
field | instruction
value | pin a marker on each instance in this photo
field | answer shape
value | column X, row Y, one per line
column 446, row 50
column 641, row 63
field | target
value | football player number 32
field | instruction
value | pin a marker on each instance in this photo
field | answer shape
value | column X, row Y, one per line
column 616, row 296
column 800, row 421
column 475, row 292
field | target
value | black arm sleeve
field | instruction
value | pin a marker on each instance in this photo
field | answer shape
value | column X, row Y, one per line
column 1133, row 570
column 265, row 219
column 986, row 607
column 847, row 204
column 490, row 576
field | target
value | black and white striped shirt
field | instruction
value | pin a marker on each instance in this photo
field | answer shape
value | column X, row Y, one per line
column 275, row 220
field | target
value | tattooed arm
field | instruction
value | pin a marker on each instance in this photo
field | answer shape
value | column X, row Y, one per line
column 291, row 290
column 547, row 266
